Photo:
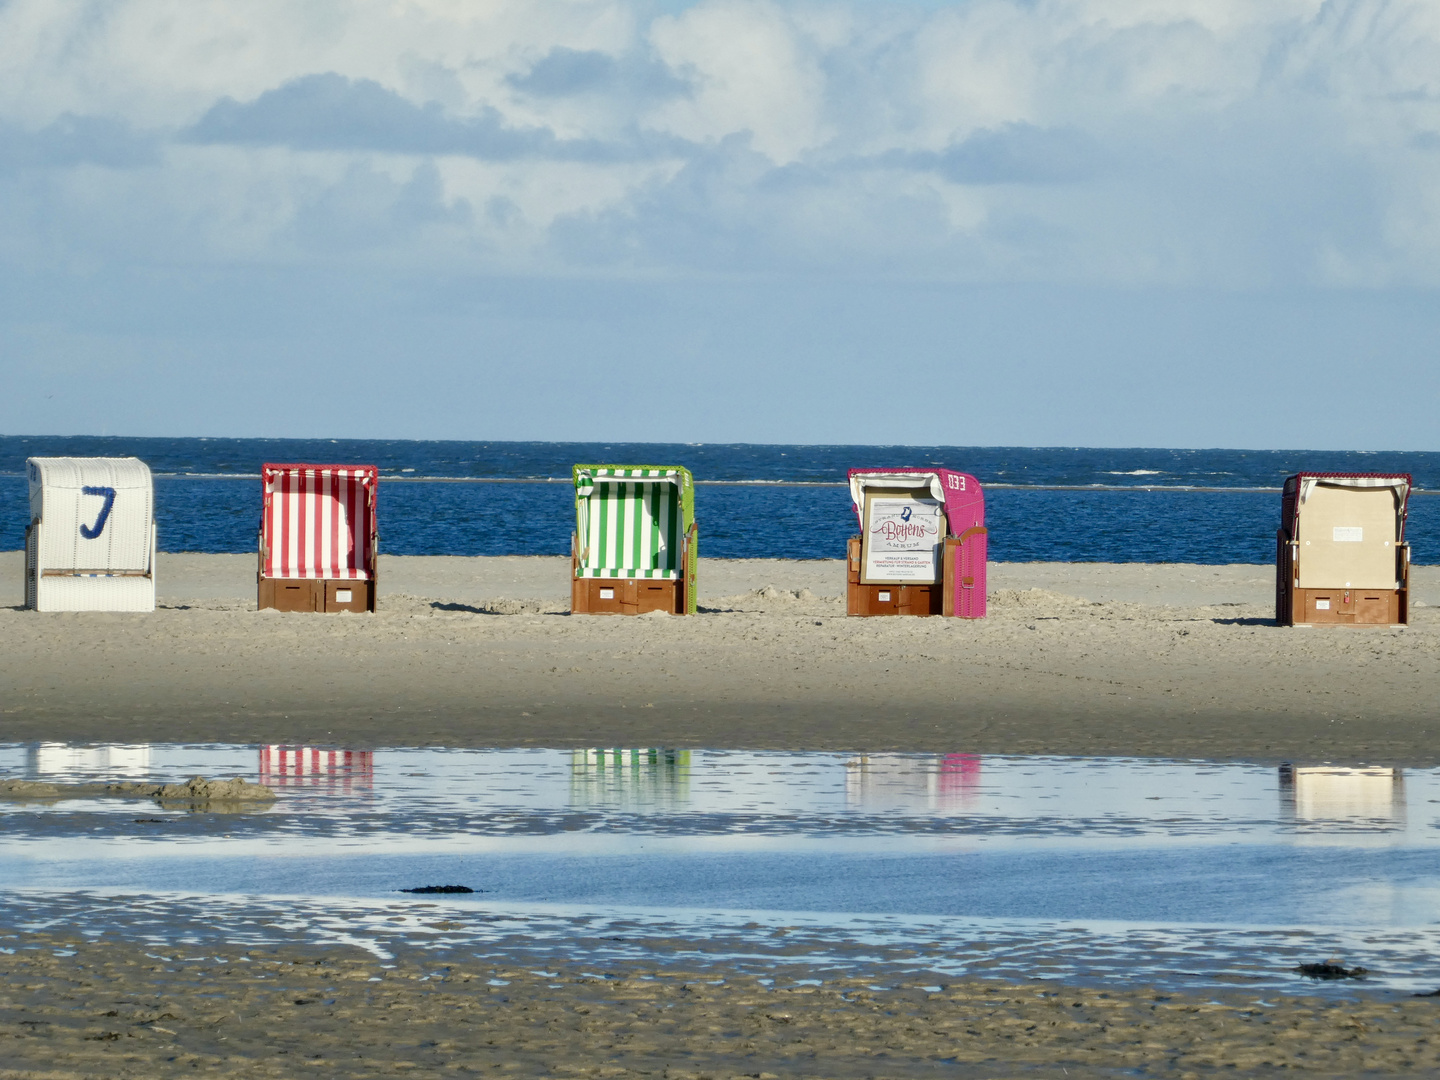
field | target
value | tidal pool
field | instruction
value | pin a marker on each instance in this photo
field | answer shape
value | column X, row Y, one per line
column 1168, row 872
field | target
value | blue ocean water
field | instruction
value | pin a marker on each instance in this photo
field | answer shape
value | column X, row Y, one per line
column 752, row 501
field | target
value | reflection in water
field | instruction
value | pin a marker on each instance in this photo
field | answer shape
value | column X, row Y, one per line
column 1140, row 859
column 62, row 759
column 648, row 778
column 1332, row 793
column 313, row 767
column 881, row 783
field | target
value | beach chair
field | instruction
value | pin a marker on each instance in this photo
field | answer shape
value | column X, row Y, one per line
column 90, row 543
column 634, row 546
column 921, row 548
column 318, row 538
column 1340, row 553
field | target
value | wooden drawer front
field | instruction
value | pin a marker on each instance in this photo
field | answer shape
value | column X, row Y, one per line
column 284, row 594
column 1355, row 607
column 626, row 596
column 894, row 599
column 653, row 595
column 345, row 595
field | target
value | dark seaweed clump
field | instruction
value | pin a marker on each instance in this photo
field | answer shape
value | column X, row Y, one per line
column 1328, row 970
column 440, row 889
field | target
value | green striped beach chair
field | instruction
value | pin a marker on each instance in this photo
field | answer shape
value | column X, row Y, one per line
column 635, row 537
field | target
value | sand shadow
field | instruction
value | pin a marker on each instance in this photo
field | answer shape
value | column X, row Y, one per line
column 1245, row 622
column 495, row 607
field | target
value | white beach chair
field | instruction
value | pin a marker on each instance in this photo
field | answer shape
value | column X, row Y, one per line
column 90, row 544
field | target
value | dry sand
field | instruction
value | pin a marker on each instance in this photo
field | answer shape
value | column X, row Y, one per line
column 119, row 1011
column 1153, row 660
column 1128, row 659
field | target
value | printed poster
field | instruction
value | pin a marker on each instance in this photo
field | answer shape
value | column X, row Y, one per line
column 903, row 540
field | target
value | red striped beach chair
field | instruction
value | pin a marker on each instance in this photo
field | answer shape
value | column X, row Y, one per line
column 634, row 546
column 318, row 538
column 1340, row 555
column 922, row 544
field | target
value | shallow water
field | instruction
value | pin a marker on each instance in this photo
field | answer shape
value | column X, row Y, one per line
column 1172, row 873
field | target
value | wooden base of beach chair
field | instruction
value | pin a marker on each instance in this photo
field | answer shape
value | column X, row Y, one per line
column 630, row 596
column 287, row 594
column 888, row 599
column 1347, row 607
column 624, row 596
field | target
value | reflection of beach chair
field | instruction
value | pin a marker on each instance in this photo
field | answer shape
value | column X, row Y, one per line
column 647, row 777
column 922, row 542
column 634, row 547
column 1340, row 554
column 1335, row 793
column 90, row 544
column 318, row 538
column 315, row 767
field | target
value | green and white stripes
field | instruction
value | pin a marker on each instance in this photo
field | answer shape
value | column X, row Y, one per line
column 631, row 520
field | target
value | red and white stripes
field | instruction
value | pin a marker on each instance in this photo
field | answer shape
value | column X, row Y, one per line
column 311, row 766
column 318, row 520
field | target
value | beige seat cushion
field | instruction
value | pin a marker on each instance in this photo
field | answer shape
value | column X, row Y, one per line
column 1347, row 538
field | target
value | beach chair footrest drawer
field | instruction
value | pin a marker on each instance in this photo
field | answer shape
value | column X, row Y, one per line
column 316, row 594
column 624, row 596
column 1349, row 607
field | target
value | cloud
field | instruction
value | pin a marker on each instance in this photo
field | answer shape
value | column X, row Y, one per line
column 327, row 111
column 76, row 140
column 1220, row 142
column 564, row 72
column 1014, row 154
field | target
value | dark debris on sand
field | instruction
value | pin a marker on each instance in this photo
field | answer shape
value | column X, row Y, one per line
column 1328, row 970
column 428, row 889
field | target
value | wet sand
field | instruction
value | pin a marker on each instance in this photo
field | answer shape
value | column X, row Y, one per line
column 115, row 1010
column 1150, row 660
column 479, row 652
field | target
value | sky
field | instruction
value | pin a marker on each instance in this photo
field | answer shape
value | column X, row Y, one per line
column 978, row 222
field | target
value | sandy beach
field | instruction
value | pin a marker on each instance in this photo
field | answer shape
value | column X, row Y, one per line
column 1131, row 659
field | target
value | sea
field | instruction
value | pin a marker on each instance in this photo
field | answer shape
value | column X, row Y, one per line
column 1043, row 504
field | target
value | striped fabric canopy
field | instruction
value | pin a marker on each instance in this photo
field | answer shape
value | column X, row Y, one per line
column 318, row 521
column 631, row 519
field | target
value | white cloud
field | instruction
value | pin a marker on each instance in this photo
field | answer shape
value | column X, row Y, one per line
column 1216, row 142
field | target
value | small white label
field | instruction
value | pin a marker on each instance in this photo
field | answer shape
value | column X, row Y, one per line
column 344, row 596
column 1322, row 605
column 607, row 594
column 884, row 596
column 1352, row 534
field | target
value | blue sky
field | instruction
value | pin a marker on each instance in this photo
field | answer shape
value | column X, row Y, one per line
column 1149, row 222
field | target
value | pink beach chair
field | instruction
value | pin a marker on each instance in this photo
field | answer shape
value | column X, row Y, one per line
column 318, row 538
column 921, row 548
